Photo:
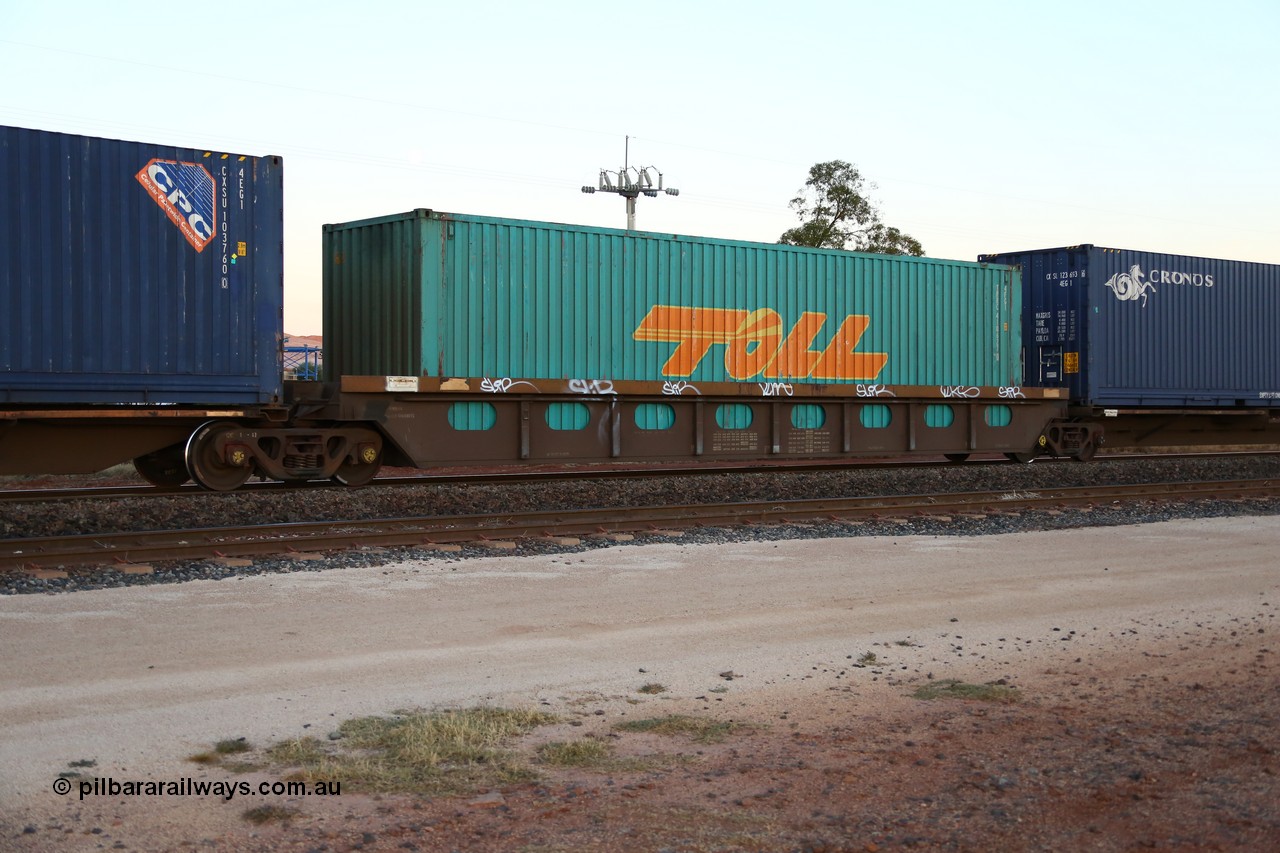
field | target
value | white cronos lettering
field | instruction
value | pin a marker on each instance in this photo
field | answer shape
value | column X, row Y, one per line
column 1175, row 277
column 1134, row 285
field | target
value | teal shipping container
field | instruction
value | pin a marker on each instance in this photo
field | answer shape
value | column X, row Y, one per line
column 434, row 294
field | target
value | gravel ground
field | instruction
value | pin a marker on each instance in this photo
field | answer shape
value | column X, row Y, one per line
column 216, row 510
column 1144, row 656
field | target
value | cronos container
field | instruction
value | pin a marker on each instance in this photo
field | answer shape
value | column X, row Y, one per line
column 444, row 295
column 1123, row 328
column 136, row 273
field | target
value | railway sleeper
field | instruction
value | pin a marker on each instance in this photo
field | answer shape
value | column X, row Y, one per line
column 222, row 456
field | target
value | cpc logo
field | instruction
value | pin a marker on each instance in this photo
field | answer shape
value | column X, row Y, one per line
column 186, row 193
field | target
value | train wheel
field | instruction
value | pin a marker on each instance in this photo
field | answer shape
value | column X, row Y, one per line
column 165, row 468
column 1086, row 452
column 1020, row 458
column 208, row 468
column 358, row 474
column 956, row 457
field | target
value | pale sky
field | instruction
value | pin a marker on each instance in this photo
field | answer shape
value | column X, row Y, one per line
column 987, row 126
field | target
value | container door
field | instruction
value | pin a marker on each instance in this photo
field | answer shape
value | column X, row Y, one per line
column 1063, row 293
column 1054, row 296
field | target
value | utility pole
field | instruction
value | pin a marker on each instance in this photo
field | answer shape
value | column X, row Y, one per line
column 631, row 183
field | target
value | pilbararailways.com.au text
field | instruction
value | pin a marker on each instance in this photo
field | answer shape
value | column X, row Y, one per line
column 188, row 787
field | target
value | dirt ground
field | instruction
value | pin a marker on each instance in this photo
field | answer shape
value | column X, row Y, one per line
column 1147, row 720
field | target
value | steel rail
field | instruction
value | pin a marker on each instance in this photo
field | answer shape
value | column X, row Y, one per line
column 281, row 539
column 38, row 495
column 513, row 475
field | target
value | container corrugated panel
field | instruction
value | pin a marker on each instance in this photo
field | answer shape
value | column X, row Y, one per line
column 1125, row 328
column 137, row 273
column 436, row 294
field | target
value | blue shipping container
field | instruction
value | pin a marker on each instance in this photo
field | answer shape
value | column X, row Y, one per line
column 1123, row 328
column 136, row 273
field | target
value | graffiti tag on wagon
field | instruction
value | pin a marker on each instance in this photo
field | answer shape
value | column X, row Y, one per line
column 950, row 392
column 758, row 343
column 503, row 384
column 679, row 387
column 591, row 386
column 873, row 391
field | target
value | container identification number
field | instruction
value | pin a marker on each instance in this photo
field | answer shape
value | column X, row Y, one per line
column 228, row 259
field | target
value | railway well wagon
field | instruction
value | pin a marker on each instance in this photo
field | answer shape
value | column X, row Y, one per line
column 461, row 334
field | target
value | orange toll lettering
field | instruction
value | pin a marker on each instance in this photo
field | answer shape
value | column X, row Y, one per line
column 694, row 330
column 839, row 361
column 795, row 359
column 754, row 343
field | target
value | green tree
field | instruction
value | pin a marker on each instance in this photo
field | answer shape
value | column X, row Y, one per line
column 836, row 213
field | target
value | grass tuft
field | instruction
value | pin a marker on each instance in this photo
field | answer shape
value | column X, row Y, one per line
column 303, row 750
column 577, row 753
column 221, row 749
column 436, row 753
column 269, row 814
column 703, row 731
column 651, row 688
column 951, row 688
column 231, row 746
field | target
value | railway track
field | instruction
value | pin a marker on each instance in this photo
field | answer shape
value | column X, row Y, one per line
column 511, row 476
column 524, row 475
column 130, row 549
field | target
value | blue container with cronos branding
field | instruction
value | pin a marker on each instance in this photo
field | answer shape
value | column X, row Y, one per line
column 1130, row 329
column 137, row 274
